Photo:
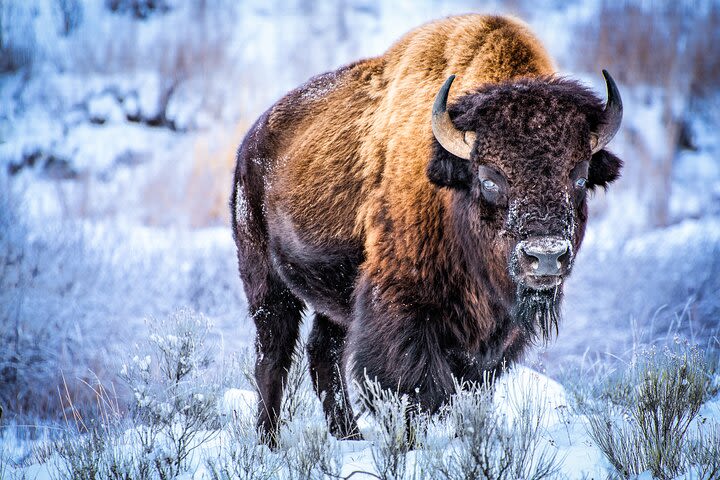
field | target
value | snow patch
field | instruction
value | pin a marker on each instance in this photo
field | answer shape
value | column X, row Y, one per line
column 239, row 402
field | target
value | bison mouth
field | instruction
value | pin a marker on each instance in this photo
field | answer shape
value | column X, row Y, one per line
column 543, row 282
column 538, row 310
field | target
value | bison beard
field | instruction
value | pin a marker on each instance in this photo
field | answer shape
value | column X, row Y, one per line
column 538, row 311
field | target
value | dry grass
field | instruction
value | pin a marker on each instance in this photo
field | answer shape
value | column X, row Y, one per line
column 173, row 410
column 490, row 445
column 39, row 331
column 210, row 182
column 196, row 195
column 666, row 44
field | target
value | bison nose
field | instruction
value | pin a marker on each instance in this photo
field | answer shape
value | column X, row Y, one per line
column 545, row 256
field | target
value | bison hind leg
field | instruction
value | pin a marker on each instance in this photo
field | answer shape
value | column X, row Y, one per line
column 325, row 350
column 277, row 315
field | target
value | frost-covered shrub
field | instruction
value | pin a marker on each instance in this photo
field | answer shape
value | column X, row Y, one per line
column 315, row 455
column 243, row 455
column 92, row 446
column 491, row 445
column 306, row 448
column 72, row 292
column 468, row 438
column 703, row 452
column 643, row 420
column 93, row 455
column 5, row 463
column 174, row 402
column 395, row 434
column 105, row 451
column 303, row 449
column 299, row 401
column 173, row 411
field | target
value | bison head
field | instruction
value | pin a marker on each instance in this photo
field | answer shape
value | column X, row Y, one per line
column 520, row 158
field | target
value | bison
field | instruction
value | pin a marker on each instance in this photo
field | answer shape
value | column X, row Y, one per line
column 431, row 240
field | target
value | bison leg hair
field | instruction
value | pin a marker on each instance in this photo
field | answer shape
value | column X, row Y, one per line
column 325, row 353
column 277, row 321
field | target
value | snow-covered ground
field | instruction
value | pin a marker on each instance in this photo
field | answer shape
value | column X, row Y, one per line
column 117, row 135
column 522, row 396
column 560, row 431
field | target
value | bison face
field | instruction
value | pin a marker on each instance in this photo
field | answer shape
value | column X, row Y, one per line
column 520, row 158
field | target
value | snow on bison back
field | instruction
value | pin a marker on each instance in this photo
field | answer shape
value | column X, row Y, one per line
column 431, row 240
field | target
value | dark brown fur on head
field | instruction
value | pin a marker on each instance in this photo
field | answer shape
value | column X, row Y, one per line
column 533, row 135
column 540, row 125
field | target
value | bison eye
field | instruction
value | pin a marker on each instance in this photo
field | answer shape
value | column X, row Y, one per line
column 490, row 186
column 580, row 182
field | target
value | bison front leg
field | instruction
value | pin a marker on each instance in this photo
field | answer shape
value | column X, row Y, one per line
column 325, row 353
column 277, row 321
column 399, row 346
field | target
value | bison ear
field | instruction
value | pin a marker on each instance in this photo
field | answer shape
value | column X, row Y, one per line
column 447, row 170
column 604, row 169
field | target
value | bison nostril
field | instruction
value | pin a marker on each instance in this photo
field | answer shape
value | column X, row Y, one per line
column 532, row 260
column 564, row 258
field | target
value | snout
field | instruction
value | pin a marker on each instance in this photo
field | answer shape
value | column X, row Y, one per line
column 543, row 261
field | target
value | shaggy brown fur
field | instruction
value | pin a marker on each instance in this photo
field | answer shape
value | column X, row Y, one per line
column 344, row 202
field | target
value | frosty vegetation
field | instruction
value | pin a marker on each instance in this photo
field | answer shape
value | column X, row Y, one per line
column 645, row 418
column 658, row 415
column 124, row 335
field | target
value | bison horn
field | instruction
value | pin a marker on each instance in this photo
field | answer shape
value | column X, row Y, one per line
column 611, row 118
column 455, row 141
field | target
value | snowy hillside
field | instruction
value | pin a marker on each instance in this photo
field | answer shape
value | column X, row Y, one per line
column 119, row 121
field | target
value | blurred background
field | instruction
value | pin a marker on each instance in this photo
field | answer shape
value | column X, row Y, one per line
column 119, row 120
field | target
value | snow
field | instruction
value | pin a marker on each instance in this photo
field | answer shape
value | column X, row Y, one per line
column 185, row 109
column 96, row 147
column 105, row 108
column 562, row 430
column 514, row 386
column 239, row 401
